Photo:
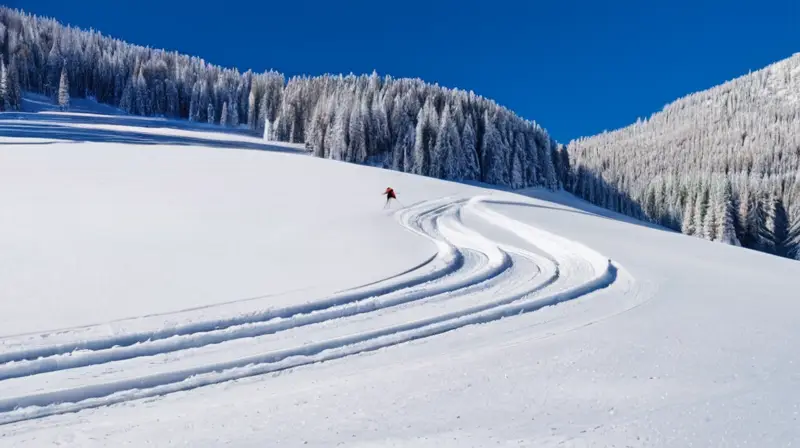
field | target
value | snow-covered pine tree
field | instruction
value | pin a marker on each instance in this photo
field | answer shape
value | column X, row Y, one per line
column 379, row 126
column 158, row 98
column 517, row 159
column 490, row 150
column 687, row 225
column 469, row 147
column 425, row 138
column 4, row 97
column 223, row 117
column 710, row 219
column 194, row 103
column 793, row 224
column 448, row 158
column 234, row 120
column 649, row 204
column 337, row 142
column 404, row 146
column 251, row 108
column 142, row 95
column 546, row 159
column 14, row 96
column 357, row 138
column 55, row 65
column 766, row 222
column 173, row 101
column 742, row 222
column 724, row 214
column 128, row 99
column 63, row 90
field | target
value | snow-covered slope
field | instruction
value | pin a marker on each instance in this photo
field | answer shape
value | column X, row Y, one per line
column 169, row 285
column 721, row 164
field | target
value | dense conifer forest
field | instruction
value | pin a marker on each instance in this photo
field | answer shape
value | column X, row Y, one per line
column 403, row 124
column 722, row 164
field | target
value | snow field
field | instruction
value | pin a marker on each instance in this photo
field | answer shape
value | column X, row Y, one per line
column 289, row 337
column 170, row 289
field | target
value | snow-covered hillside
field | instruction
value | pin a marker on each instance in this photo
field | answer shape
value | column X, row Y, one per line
column 722, row 164
column 168, row 285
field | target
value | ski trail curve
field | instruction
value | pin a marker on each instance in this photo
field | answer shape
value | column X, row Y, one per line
column 471, row 279
column 446, row 261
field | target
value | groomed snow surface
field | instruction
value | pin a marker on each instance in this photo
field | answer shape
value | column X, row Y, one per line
column 171, row 284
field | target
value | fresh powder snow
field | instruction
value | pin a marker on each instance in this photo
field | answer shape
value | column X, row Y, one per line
column 172, row 283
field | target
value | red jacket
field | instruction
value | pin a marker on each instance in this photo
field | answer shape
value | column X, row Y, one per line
column 389, row 193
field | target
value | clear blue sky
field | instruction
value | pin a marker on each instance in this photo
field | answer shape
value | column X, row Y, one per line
column 576, row 67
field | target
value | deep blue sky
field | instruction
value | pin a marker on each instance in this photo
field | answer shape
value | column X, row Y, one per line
column 575, row 66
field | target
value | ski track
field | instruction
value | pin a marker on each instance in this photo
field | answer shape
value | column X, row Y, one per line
column 470, row 280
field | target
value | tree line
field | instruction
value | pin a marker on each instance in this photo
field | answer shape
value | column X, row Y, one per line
column 402, row 124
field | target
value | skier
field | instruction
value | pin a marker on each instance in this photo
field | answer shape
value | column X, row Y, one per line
column 389, row 196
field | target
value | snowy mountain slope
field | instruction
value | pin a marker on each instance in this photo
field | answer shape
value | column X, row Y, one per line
column 721, row 164
column 404, row 123
column 161, row 286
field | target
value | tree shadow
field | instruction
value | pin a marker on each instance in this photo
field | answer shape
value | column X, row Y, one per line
column 67, row 128
column 80, row 117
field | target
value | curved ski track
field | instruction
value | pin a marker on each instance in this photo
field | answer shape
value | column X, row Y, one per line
column 471, row 279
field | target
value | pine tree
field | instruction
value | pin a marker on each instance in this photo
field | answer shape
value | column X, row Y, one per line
column 404, row 147
column 469, row 147
column 63, row 90
column 700, row 207
column 235, row 115
column 4, row 97
column 337, row 143
column 533, row 171
column 425, row 139
column 14, row 88
column 380, row 126
column 223, row 118
column 447, row 154
column 173, row 102
column 767, row 221
column 710, row 219
column 491, row 152
column 725, row 232
column 251, row 108
column 743, row 215
column 357, row 138
column 517, row 169
column 546, row 158
column 158, row 98
column 127, row 100
column 649, row 203
column 55, row 66
column 793, row 220
column 142, row 95
column 210, row 115
column 687, row 226
column 194, row 102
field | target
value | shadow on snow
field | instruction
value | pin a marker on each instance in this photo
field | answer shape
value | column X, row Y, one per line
column 63, row 128
column 571, row 204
